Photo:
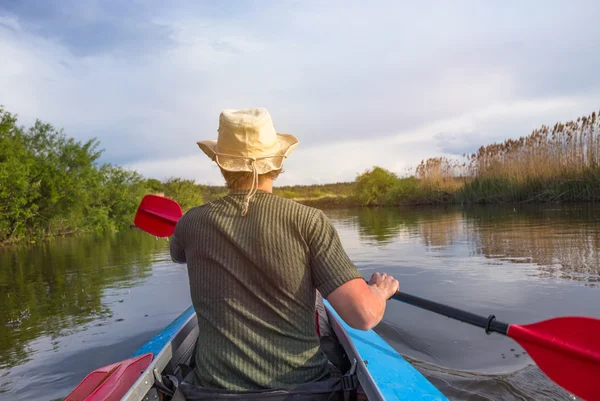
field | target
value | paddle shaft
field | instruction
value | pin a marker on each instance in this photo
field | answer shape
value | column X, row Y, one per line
column 490, row 324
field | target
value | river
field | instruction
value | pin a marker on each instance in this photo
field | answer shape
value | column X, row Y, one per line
column 71, row 305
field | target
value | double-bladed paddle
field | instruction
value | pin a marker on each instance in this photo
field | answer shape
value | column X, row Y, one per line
column 566, row 348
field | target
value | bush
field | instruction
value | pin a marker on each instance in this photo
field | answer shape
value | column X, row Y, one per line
column 185, row 192
column 373, row 186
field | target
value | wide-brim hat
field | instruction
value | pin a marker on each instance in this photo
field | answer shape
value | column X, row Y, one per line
column 248, row 141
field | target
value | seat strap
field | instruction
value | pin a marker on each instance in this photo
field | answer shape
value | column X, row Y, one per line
column 185, row 370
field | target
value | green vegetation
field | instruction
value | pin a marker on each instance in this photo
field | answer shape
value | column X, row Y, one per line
column 185, row 191
column 550, row 165
column 375, row 186
column 341, row 194
column 52, row 185
column 380, row 187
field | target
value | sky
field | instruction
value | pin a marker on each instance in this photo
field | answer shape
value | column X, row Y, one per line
column 385, row 83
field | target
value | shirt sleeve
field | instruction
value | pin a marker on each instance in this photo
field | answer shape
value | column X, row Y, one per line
column 177, row 244
column 331, row 266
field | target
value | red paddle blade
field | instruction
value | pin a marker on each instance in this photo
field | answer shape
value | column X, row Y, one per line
column 567, row 349
column 158, row 215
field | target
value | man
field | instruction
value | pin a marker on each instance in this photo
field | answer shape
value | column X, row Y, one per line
column 255, row 262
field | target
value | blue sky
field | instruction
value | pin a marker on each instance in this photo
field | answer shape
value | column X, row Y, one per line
column 386, row 83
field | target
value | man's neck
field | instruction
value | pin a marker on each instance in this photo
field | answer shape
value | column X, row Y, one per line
column 264, row 185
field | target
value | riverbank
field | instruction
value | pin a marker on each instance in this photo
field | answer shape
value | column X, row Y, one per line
column 407, row 192
column 552, row 164
column 580, row 187
column 52, row 185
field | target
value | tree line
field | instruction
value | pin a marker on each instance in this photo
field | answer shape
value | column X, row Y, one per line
column 52, row 185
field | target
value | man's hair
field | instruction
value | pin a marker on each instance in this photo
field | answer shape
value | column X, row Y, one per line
column 243, row 179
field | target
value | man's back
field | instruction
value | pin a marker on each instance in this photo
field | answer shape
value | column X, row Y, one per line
column 253, row 281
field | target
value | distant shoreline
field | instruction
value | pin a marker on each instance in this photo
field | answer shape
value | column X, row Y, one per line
column 54, row 186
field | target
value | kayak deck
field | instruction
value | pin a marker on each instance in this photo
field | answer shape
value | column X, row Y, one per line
column 392, row 376
column 382, row 372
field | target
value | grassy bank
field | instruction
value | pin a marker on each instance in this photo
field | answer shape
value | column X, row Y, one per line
column 326, row 196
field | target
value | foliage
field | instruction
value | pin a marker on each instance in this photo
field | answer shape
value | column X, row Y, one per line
column 405, row 190
column 373, row 186
column 17, row 192
column 185, row 192
column 312, row 192
column 210, row 193
column 52, row 185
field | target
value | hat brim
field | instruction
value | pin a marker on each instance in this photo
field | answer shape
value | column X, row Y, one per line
column 264, row 164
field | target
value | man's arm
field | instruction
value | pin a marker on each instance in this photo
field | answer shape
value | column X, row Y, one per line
column 360, row 305
column 176, row 245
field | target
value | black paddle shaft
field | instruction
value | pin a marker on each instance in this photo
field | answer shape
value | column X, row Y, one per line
column 490, row 324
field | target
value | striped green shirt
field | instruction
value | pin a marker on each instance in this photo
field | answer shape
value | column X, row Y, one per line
column 252, row 281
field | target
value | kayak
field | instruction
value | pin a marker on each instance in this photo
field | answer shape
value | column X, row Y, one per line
column 382, row 372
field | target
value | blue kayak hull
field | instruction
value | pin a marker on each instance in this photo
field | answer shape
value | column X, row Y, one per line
column 394, row 376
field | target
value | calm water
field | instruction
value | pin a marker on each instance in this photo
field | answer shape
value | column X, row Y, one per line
column 72, row 305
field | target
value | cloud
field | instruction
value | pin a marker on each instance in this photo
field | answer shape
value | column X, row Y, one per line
column 89, row 27
column 385, row 85
column 501, row 121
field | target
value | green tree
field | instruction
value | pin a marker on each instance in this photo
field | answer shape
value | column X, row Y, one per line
column 185, row 192
column 51, row 184
column 373, row 186
column 17, row 190
column 154, row 185
column 119, row 194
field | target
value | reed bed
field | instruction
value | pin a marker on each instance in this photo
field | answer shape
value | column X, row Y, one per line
column 556, row 163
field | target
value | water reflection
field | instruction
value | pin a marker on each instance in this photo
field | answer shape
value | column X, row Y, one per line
column 375, row 225
column 381, row 225
column 53, row 289
column 563, row 242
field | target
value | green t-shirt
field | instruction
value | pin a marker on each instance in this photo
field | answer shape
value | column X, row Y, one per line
column 252, row 282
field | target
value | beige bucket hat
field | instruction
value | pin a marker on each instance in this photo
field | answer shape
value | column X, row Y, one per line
column 248, row 142
column 247, row 137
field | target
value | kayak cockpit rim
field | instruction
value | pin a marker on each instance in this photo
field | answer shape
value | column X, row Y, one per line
column 364, row 377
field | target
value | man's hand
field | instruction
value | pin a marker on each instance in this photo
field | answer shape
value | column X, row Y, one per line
column 361, row 305
column 384, row 284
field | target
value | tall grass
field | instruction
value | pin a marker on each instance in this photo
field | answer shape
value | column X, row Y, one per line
column 566, row 150
column 551, row 164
